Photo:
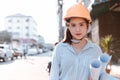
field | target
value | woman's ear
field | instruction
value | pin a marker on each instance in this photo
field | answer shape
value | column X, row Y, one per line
column 89, row 28
column 67, row 24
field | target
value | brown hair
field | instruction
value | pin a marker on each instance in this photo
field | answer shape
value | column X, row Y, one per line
column 68, row 37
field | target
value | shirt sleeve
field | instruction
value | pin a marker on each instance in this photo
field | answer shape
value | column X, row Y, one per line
column 106, row 76
column 99, row 51
column 54, row 74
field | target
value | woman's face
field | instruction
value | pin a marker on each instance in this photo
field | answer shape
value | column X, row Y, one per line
column 78, row 28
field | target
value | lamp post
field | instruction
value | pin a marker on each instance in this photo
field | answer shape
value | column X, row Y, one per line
column 60, row 14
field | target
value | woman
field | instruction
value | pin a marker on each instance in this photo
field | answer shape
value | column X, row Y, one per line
column 73, row 56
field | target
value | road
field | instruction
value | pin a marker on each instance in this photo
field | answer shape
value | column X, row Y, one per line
column 31, row 68
column 115, row 71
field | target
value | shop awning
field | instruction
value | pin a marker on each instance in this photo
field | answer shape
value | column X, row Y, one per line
column 102, row 8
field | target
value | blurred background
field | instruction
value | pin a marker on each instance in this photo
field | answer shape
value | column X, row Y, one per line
column 29, row 30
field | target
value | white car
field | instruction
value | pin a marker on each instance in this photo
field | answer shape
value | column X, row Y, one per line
column 32, row 51
column 6, row 52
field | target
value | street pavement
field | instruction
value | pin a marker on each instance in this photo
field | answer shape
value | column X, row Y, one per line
column 33, row 68
column 115, row 71
column 40, row 62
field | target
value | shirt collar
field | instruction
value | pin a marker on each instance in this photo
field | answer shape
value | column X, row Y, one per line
column 88, row 45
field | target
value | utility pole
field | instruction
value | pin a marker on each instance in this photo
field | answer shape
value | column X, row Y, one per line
column 60, row 15
column 77, row 0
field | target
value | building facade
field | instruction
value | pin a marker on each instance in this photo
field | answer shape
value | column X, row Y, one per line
column 23, row 29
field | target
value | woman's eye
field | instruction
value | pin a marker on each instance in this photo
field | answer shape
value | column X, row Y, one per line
column 81, row 24
column 73, row 25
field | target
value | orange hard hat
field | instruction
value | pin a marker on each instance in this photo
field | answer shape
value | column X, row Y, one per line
column 78, row 10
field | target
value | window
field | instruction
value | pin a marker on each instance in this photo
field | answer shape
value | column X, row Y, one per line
column 18, row 21
column 27, row 20
column 27, row 27
column 27, row 34
column 16, row 33
column 18, row 27
column 10, row 20
column 9, row 27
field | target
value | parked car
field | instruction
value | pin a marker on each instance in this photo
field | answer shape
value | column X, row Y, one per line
column 32, row 51
column 18, row 52
column 6, row 52
column 40, row 50
column 45, row 50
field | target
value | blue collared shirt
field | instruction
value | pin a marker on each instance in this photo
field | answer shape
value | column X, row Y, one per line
column 67, row 65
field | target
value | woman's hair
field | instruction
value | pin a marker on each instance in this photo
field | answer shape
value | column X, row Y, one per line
column 68, row 36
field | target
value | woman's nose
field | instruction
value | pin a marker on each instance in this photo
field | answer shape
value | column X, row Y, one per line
column 77, row 28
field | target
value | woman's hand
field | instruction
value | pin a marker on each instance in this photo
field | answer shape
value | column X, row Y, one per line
column 90, row 78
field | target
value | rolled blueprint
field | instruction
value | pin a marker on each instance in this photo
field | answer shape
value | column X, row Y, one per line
column 95, row 69
column 104, row 59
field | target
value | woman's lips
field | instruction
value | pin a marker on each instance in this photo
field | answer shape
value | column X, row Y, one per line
column 78, row 34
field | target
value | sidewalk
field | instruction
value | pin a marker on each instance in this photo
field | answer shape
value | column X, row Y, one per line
column 115, row 71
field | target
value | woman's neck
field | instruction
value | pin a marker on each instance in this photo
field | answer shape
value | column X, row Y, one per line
column 78, row 47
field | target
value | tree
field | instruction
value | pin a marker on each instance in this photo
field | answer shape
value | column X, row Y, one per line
column 5, row 37
column 111, row 46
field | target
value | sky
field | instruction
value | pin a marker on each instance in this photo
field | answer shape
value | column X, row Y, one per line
column 44, row 12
